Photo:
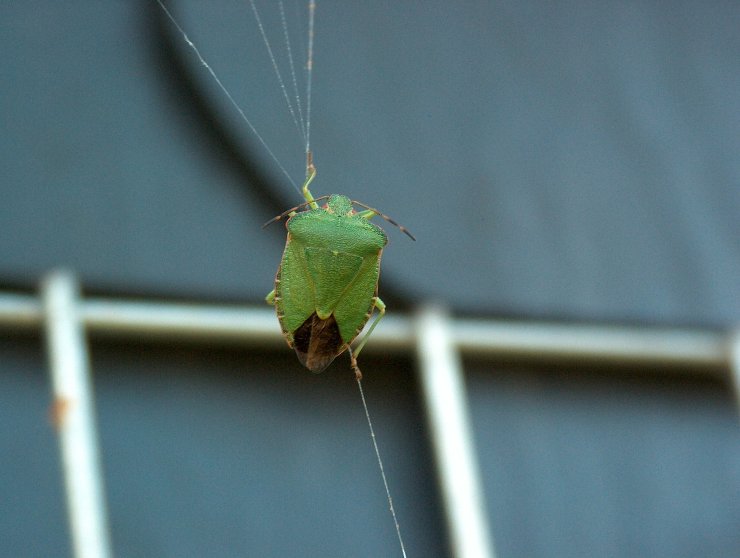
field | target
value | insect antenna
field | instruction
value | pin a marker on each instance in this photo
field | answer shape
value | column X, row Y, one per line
column 293, row 209
column 403, row 229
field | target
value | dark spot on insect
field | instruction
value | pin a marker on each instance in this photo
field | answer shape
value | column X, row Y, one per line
column 317, row 342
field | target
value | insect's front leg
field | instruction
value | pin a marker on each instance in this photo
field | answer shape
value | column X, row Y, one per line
column 270, row 298
column 371, row 212
column 304, row 189
column 367, row 214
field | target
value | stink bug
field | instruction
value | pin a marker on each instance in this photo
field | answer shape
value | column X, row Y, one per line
column 326, row 287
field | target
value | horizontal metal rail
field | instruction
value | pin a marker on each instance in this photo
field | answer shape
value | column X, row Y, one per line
column 681, row 350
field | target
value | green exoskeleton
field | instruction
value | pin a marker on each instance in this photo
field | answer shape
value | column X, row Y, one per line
column 326, row 287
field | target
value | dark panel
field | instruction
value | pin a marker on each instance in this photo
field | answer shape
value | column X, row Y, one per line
column 578, row 160
column 254, row 457
column 259, row 457
column 33, row 518
column 578, row 464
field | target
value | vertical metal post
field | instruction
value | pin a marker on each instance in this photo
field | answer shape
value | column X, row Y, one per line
column 74, row 416
column 447, row 412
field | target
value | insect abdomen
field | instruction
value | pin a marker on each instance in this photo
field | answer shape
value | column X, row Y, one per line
column 317, row 342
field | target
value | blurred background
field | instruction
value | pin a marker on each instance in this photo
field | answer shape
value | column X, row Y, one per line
column 569, row 164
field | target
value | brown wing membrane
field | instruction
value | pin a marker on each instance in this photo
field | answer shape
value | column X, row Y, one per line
column 317, row 342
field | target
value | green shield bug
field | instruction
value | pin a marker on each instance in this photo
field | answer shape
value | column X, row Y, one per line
column 326, row 287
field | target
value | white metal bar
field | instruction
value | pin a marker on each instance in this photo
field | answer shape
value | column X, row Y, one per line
column 734, row 356
column 181, row 321
column 695, row 351
column 447, row 412
column 20, row 311
column 208, row 323
column 74, row 416
column 602, row 343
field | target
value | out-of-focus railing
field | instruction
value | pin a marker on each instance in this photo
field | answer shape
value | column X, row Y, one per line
column 439, row 340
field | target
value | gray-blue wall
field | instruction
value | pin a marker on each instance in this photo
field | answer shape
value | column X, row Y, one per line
column 573, row 162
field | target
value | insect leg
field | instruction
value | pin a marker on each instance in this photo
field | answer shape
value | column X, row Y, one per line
column 381, row 312
column 292, row 211
column 367, row 214
column 311, row 174
column 371, row 212
column 270, row 298
column 353, row 364
column 310, row 200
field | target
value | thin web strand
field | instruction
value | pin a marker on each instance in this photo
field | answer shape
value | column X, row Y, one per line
column 309, row 67
column 309, row 74
column 226, row 92
column 289, row 51
column 275, row 67
column 382, row 470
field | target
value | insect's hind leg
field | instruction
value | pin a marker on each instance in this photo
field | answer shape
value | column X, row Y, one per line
column 353, row 364
column 353, row 354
